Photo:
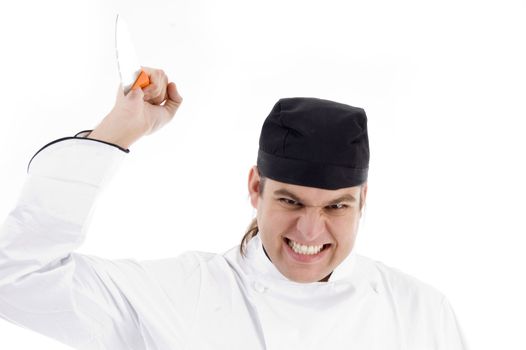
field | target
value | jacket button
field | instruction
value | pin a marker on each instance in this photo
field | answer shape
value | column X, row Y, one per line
column 260, row 288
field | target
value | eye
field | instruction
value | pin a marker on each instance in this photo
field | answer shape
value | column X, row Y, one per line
column 289, row 202
column 338, row 206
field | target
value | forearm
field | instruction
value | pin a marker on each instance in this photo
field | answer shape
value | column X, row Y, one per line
column 116, row 129
column 53, row 210
column 44, row 284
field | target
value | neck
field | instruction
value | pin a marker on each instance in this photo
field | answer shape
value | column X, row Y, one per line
column 325, row 279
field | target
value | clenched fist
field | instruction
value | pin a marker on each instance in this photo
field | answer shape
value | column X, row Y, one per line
column 141, row 112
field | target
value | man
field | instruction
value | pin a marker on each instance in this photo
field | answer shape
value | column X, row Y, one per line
column 293, row 283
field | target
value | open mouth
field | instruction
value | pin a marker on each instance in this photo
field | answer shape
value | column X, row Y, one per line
column 305, row 249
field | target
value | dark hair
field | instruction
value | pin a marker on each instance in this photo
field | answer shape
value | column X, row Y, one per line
column 253, row 228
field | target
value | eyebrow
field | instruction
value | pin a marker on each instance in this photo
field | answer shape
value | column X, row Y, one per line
column 345, row 198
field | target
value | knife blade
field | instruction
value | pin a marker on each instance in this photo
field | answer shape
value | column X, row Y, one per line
column 130, row 71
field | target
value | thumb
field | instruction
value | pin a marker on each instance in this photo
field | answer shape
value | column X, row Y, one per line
column 120, row 93
column 135, row 94
column 174, row 99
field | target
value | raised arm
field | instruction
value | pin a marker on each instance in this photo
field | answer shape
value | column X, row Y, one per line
column 80, row 300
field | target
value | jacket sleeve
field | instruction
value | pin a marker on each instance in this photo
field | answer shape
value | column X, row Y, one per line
column 452, row 337
column 44, row 285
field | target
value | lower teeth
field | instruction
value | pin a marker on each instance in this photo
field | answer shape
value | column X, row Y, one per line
column 304, row 253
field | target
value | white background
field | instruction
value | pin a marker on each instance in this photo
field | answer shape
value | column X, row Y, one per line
column 443, row 84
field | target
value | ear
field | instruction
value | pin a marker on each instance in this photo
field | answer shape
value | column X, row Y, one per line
column 253, row 186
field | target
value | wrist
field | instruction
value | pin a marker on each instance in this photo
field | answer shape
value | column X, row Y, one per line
column 117, row 130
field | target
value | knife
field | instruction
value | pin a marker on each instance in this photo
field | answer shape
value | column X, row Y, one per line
column 131, row 73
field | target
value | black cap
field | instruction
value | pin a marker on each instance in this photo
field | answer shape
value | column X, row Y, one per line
column 314, row 142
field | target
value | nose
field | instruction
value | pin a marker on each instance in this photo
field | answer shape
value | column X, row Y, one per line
column 311, row 223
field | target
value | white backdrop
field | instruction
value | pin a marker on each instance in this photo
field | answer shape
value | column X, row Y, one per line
column 443, row 85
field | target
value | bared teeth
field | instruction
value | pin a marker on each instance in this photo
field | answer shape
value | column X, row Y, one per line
column 305, row 249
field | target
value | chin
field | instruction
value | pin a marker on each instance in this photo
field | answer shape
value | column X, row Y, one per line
column 302, row 277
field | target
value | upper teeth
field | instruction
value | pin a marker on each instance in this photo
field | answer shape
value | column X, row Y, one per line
column 305, row 249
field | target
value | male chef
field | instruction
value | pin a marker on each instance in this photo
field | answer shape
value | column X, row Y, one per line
column 294, row 282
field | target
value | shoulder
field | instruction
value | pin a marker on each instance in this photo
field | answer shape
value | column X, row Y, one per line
column 185, row 272
column 400, row 286
column 182, row 266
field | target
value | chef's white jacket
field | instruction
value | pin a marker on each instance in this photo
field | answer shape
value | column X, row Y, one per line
column 194, row 301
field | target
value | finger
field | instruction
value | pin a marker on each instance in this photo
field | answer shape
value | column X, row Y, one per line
column 149, row 70
column 156, row 78
column 136, row 95
column 155, row 93
column 174, row 100
column 161, row 86
column 148, row 90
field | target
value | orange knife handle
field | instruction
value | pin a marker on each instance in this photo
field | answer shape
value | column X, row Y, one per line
column 142, row 81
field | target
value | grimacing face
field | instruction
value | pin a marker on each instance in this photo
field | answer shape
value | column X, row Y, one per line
column 306, row 232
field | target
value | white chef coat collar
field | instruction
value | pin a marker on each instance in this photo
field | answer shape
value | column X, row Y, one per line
column 352, row 270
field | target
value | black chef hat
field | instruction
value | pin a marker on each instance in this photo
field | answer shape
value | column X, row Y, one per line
column 315, row 143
